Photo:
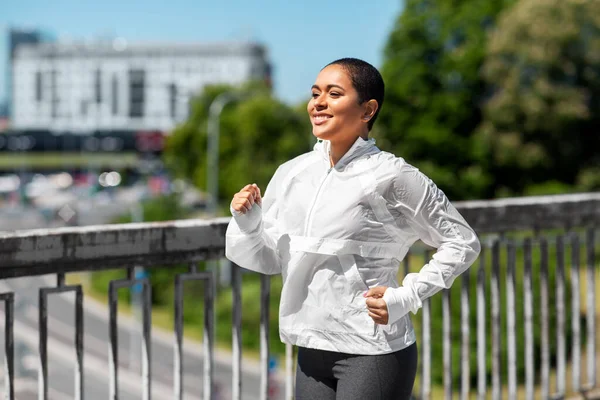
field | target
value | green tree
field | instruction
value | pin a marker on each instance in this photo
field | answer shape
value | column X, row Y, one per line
column 542, row 124
column 257, row 134
column 434, row 91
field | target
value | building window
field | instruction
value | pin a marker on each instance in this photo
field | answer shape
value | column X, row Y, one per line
column 98, row 85
column 173, row 99
column 136, row 92
column 115, row 95
column 38, row 86
column 54, row 93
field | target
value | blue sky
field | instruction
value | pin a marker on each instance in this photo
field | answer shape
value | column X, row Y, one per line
column 301, row 36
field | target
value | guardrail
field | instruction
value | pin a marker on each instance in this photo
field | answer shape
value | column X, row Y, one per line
column 126, row 246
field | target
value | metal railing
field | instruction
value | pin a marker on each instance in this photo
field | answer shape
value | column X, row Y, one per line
column 492, row 283
column 506, row 314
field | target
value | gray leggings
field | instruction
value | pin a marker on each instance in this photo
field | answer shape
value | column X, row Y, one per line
column 326, row 375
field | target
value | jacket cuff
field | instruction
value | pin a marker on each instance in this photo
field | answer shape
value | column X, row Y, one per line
column 398, row 303
column 249, row 222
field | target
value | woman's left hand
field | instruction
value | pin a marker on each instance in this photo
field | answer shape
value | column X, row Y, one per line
column 376, row 305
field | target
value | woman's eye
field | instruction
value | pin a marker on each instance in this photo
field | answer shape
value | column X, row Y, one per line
column 334, row 94
column 315, row 95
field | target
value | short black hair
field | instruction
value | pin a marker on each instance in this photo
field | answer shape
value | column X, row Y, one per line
column 367, row 81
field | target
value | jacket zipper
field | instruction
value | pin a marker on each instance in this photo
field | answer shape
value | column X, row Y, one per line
column 308, row 223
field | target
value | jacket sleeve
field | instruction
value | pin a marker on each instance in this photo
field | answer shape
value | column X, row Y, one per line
column 437, row 223
column 251, row 238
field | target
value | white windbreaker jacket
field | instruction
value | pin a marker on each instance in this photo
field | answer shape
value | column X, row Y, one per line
column 333, row 233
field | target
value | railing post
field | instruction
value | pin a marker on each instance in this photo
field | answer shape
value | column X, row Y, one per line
column 426, row 348
column 147, row 341
column 9, row 345
column 208, row 341
column 43, row 336
column 495, row 320
column 236, row 327
column 209, row 335
column 447, row 340
column 560, row 319
column 544, row 320
column 591, row 309
column 575, row 311
column 178, row 347
column 265, row 294
column 113, row 287
column 481, row 328
column 528, row 314
column 465, row 307
column 511, row 320
column 43, row 346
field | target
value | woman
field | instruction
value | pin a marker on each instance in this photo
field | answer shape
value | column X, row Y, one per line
column 336, row 222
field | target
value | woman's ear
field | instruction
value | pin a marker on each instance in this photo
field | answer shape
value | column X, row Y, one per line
column 371, row 107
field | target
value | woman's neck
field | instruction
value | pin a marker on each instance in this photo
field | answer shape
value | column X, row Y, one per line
column 338, row 149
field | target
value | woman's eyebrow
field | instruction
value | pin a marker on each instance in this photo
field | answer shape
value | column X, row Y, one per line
column 329, row 87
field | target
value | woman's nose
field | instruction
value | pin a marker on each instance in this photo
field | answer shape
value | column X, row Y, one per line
column 319, row 101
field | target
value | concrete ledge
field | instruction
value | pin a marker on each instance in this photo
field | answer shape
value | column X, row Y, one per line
column 109, row 246
column 41, row 251
column 534, row 212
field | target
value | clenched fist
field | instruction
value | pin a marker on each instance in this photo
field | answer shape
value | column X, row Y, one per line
column 376, row 306
column 244, row 199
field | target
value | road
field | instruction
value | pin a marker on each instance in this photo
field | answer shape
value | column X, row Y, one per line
column 69, row 209
column 61, row 358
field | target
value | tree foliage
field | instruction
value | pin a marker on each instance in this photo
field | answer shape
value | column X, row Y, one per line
column 542, row 124
column 257, row 134
column 434, row 90
column 492, row 98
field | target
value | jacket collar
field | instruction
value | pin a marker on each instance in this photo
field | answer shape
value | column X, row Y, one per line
column 360, row 148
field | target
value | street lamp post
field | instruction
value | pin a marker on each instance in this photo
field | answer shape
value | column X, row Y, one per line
column 214, row 126
column 212, row 172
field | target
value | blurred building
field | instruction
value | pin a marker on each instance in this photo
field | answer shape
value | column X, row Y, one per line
column 116, row 86
column 17, row 38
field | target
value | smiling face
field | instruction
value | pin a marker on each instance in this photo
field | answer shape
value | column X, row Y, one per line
column 334, row 109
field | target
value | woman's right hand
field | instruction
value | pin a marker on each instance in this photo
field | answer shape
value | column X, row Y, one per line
column 244, row 199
